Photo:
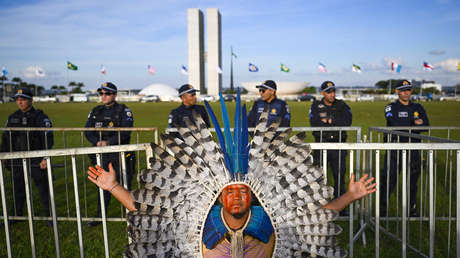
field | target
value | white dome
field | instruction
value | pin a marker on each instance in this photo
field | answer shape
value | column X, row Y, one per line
column 283, row 88
column 159, row 89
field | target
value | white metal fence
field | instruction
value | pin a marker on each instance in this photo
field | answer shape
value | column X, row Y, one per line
column 364, row 214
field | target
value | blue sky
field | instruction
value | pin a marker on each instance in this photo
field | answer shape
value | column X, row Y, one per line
column 126, row 36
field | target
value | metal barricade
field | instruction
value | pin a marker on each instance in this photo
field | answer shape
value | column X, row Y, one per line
column 72, row 138
column 73, row 153
column 435, row 187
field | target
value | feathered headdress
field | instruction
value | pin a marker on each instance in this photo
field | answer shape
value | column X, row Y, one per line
column 181, row 188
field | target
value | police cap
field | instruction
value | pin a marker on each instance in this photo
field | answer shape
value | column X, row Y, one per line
column 24, row 93
column 108, row 86
column 327, row 86
column 186, row 88
column 404, row 85
column 268, row 84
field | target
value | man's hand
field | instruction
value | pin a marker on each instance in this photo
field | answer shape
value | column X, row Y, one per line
column 418, row 121
column 102, row 143
column 324, row 120
column 43, row 164
column 361, row 188
column 103, row 179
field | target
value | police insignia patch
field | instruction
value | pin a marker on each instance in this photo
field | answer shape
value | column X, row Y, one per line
column 19, row 91
column 416, row 114
column 329, row 84
column 111, row 124
column 129, row 114
column 274, row 111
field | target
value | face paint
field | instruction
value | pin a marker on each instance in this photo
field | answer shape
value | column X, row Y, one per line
column 236, row 199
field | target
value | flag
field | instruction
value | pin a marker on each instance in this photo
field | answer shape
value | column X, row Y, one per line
column 151, row 69
column 4, row 71
column 427, row 66
column 233, row 54
column 103, row 70
column 458, row 66
column 39, row 72
column 356, row 68
column 253, row 68
column 322, row 68
column 395, row 67
column 218, row 69
column 71, row 66
column 284, row 68
column 184, row 70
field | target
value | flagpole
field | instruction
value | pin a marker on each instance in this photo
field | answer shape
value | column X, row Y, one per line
column 231, row 68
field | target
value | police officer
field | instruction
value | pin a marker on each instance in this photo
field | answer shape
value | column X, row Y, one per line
column 28, row 116
column 403, row 112
column 331, row 112
column 110, row 114
column 276, row 107
column 177, row 116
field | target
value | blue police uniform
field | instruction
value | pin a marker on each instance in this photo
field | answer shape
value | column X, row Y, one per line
column 340, row 114
column 398, row 114
column 23, row 141
column 276, row 108
column 117, row 115
column 176, row 118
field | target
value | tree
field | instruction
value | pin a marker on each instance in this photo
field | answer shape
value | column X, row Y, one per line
column 383, row 84
column 76, row 87
column 309, row 90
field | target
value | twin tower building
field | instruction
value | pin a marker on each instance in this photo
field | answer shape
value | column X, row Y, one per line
column 198, row 56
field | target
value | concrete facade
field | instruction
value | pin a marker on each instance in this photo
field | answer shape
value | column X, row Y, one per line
column 195, row 33
column 214, row 51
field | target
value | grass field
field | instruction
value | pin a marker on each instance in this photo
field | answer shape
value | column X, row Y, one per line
column 365, row 114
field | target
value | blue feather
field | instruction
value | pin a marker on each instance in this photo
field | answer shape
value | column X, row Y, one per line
column 244, row 141
column 237, row 132
column 220, row 137
column 226, row 120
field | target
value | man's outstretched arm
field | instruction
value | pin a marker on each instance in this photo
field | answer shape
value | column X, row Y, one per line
column 108, row 181
column 356, row 190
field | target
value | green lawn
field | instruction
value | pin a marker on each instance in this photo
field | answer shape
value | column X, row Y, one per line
column 365, row 114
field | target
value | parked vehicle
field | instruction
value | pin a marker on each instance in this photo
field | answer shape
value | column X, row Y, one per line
column 208, row 98
column 306, row 97
column 78, row 97
column 366, row 97
column 150, row 98
column 229, row 97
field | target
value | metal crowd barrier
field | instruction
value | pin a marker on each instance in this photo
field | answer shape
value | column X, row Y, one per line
column 364, row 212
column 74, row 137
column 73, row 153
column 441, row 194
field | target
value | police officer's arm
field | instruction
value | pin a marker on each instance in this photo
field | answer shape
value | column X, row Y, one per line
column 424, row 117
column 91, row 136
column 44, row 121
column 127, row 120
column 390, row 116
column 315, row 119
column 285, row 116
column 252, row 116
column 344, row 117
column 6, row 138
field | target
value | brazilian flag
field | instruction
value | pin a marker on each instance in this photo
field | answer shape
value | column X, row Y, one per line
column 71, row 66
column 284, row 68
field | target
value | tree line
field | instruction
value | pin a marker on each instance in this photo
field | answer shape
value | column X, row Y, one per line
column 9, row 87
